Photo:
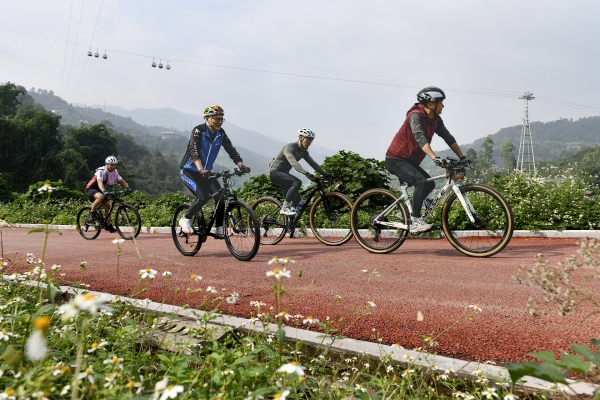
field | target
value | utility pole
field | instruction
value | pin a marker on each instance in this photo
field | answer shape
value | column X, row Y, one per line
column 526, row 159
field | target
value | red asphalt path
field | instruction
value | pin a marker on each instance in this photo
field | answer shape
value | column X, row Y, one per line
column 423, row 275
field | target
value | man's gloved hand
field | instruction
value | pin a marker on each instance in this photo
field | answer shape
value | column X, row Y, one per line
column 440, row 162
column 205, row 173
column 310, row 176
column 466, row 161
column 128, row 190
column 245, row 169
column 106, row 192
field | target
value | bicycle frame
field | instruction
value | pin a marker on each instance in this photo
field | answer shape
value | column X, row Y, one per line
column 114, row 199
column 226, row 196
column 309, row 194
column 442, row 194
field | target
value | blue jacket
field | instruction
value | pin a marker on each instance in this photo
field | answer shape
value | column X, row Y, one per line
column 205, row 147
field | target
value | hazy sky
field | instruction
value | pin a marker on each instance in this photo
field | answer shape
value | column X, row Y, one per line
column 347, row 69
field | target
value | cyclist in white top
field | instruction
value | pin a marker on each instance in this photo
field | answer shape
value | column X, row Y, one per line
column 96, row 188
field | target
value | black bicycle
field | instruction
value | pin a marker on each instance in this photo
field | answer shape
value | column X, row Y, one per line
column 126, row 218
column 329, row 216
column 241, row 229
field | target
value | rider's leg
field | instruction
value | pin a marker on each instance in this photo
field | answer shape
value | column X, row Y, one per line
column 194, row 181
column 96, row 197
column 220, row 213
column 290, row 185
column 202, row 189
column 413, row 175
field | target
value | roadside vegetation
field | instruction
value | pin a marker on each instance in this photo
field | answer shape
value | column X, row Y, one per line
column 82, row 346
column 557, row 200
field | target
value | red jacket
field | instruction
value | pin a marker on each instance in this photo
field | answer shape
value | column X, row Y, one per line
column 404, row 145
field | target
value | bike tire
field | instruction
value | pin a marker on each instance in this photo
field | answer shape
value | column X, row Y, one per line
column 128, row 222
column 494, row 224
column 187, row 244
column 273, row 224
column 370, row 235
column 86, row 230
column 331, row 227
column 242, row 230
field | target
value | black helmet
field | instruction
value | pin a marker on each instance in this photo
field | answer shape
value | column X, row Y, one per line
column 430, row 93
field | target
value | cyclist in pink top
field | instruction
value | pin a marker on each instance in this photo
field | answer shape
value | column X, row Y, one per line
column 96, row 190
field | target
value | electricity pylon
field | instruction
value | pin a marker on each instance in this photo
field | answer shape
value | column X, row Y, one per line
column 526, row 159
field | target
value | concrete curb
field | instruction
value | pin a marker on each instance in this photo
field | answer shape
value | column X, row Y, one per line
column 553, row 234
column 464, row 369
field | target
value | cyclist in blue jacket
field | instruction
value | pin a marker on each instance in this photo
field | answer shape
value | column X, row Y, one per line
column 198, row 161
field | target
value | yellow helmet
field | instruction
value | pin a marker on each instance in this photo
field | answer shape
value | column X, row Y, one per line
column 213, row 110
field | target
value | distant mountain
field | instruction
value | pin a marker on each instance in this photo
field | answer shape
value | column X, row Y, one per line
column 551, row 140
column 256, row 149
column 182, row 122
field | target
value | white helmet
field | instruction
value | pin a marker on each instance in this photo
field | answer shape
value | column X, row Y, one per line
column 111, row 160
column 306, row 133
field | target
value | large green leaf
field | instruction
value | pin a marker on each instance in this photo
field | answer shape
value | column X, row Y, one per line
column 546, row 372
column 584, row 351
column 569, row 361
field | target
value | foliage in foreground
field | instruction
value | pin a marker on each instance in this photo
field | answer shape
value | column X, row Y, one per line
column 88, row 347
column 567, row 286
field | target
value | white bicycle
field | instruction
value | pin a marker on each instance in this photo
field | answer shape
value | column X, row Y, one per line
column 476, row 219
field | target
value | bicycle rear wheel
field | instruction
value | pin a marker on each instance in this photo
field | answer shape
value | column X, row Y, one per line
column 187, row 244
column 87, row 230
column 330, row 219
column 371, row 235
column 128, row 222
column 242, row 231
column 493, row 226
column 273, row 225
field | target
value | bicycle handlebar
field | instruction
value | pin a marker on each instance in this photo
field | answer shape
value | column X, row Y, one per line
column 225, row 173
column 115, row 193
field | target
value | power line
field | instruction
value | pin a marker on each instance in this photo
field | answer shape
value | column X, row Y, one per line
column 74, row 47
column 62, row 76
column 292, row 70
column 85, row 63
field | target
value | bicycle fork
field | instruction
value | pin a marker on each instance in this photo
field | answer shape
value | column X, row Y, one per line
column 466, row 203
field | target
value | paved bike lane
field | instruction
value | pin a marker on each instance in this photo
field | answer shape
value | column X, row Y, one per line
column 426, row 276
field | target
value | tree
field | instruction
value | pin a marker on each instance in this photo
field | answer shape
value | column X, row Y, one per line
column 93, row 142
column 510, row 162
column 472, row 155
column 484, row 159
column 31, row 143
column 355, row 175
column 9, row 99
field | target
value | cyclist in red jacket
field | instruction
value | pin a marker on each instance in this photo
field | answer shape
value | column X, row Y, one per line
column 412, row 143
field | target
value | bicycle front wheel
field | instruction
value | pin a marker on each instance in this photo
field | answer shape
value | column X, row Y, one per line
column 128, row 222
column 493, row 226
column 86, row 229
column 272, row 223
column 367, row 215
column 187, row 244
column 242, row 231
column 330, row 219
